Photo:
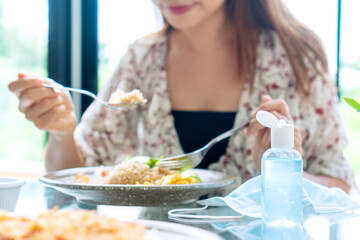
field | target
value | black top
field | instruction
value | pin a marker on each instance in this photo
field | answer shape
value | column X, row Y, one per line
column 196, row 128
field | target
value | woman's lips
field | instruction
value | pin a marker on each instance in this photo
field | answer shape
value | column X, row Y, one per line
column 180, row 9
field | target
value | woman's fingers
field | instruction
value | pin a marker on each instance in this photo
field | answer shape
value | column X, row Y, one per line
column 265, row 98
column 29, row 90
column 19, row 86
column 258, row 148
column 42, row 107
column 35, row 95
column 47, row 119
column 280, row 116
column 254, row 125
column 266, row 138
column 297, row 139
column 26, row 82
column 278, row 105
column 262, row 135
column 23, row 74
column 49, row 109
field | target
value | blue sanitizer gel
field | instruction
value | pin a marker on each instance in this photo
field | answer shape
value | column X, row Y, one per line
column 281, row 175
column 281, row 187
column 281, row 233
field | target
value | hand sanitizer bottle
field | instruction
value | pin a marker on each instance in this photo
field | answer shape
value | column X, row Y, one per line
column 281, row 175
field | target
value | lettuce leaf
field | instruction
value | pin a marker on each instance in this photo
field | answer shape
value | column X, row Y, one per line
column 152, row 162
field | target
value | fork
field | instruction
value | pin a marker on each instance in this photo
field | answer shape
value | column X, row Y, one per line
column 90, row 94
column 193, row 159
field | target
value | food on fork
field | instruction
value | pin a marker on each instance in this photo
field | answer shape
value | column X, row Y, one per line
column 130, row 99
column 68, row 225
column 135, row 172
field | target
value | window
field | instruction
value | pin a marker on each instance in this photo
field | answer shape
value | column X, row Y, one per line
column 321, row 16
column 350, row 77
column 23, row 47
column 120, row 24
column 325, row 27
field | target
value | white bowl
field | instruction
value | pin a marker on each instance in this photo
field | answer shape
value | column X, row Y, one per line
column 9, row 192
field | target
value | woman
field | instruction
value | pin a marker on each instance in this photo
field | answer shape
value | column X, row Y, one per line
column 214, row 65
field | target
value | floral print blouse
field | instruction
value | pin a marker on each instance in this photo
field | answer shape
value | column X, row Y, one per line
column 106, row 136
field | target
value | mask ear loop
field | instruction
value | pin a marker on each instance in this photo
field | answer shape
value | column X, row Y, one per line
column 187, row 215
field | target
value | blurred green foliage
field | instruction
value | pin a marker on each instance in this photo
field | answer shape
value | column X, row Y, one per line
column 351, row 120
column 19, row 139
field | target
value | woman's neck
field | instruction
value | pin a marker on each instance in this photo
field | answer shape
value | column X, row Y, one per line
column 211, row 33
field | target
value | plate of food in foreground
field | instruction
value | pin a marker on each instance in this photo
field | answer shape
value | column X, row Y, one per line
column 86, row 224
column 136, row 184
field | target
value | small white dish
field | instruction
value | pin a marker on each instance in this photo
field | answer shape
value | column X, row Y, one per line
column 9, row 192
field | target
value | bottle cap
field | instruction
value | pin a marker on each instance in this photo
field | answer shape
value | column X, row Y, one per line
column 282, row 133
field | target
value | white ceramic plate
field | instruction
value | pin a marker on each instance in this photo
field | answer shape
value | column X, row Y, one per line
column 158, row 230
column 134, row 195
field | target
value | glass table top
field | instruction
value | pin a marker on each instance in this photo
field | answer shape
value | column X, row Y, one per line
column 35, row 198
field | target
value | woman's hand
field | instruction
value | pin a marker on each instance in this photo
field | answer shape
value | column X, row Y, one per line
column 262, row 138
column 48, row 109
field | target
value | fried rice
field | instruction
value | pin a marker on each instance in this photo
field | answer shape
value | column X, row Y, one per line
column 135, row 173
column 68, row 225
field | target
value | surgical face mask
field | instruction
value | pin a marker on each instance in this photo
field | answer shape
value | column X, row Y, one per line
column 243, row 206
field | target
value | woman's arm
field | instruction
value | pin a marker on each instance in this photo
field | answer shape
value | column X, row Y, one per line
column 328, row 181
column 51, row 111
column 61, row 152
column 316, row 114
column 325, row 137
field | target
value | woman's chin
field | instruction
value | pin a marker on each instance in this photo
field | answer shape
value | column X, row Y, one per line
column 182, row 26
